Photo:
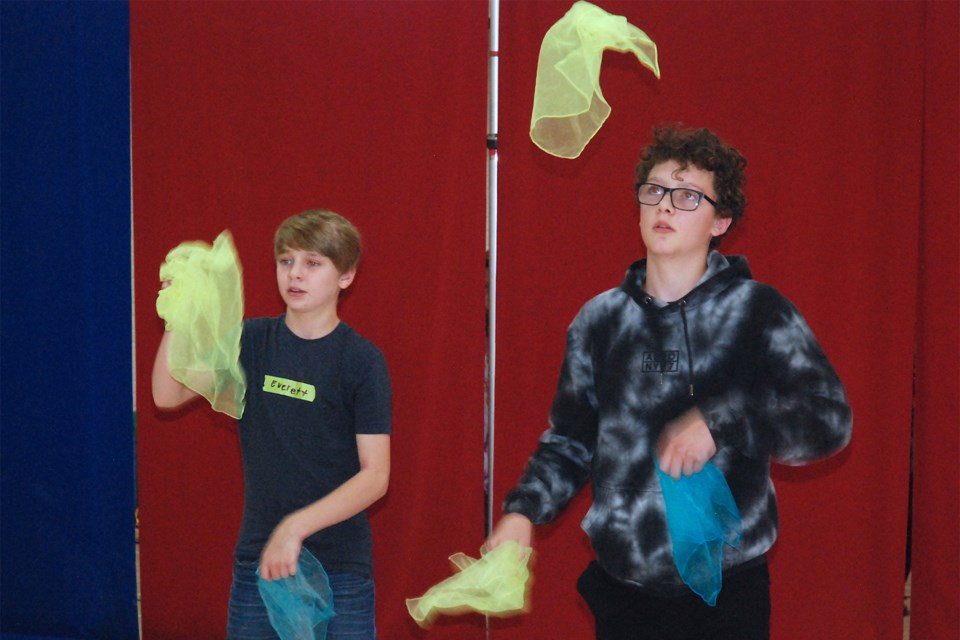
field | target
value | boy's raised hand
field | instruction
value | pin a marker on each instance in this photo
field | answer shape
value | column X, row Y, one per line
column 685, row 445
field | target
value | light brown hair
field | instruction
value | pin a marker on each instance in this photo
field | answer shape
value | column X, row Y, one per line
column 323, row 232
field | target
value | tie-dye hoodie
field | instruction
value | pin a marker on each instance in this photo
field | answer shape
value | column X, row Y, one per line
column 734, row 348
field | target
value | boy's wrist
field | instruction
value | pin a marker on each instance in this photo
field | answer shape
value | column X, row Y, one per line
column 305, row 523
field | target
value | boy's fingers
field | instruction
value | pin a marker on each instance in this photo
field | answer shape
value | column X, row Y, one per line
column 676, row 467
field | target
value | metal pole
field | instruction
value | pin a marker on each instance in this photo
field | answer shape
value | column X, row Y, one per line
column 492, row 132
column 493, row 68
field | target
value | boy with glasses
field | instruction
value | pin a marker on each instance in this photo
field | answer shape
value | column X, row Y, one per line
column 689, row 360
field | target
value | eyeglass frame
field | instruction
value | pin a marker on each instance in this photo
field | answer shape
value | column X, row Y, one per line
column 669, row 191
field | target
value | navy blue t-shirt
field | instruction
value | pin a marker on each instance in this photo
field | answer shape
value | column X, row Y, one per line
column 306, row 402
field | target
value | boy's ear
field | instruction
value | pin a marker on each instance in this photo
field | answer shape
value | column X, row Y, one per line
column 346, row 278
column 720, row 226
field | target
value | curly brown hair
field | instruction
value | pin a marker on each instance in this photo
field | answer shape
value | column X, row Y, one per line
column 704, row 150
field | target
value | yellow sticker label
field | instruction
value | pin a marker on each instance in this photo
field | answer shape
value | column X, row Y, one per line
column 289, row 388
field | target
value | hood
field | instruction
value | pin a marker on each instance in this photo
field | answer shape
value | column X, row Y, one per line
column 735, row 270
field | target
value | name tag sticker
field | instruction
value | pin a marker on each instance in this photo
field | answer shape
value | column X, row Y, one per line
column 289, row 388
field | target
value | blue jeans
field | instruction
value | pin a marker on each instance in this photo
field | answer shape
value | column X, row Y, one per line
column 353, row 600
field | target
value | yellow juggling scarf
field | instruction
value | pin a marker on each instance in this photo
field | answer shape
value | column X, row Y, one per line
column 495, row 584
column 568, row 106
column 203, row 308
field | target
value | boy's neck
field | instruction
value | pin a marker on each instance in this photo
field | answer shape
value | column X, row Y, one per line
column 671, row 278
column 311, row 326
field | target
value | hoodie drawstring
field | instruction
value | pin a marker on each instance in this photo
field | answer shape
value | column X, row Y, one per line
column 686, row 338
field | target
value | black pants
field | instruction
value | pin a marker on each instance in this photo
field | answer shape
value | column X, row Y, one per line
column 626, row 613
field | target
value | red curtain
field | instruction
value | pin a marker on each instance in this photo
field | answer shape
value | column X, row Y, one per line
column 243, row 114
column 828, row 102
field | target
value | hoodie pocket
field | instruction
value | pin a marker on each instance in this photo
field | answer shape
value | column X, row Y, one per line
column 628, row 531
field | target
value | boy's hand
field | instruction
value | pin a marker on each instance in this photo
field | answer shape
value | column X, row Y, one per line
column 512, row 527
column 280, row 556
column 685, row 445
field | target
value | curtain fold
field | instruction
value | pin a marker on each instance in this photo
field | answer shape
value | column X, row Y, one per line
column 935, row 559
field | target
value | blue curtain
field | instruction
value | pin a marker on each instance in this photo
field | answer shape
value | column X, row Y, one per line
column 67, row 495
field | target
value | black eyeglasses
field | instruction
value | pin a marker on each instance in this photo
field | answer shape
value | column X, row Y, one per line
column 682, row 198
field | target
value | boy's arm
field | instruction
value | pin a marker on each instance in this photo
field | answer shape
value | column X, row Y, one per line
column 279, row 557
column 168, row 393
column 798, row 410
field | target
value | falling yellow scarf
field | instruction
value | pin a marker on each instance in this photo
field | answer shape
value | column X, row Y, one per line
column 568, row 106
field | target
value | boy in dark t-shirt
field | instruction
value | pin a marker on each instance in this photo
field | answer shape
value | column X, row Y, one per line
column 315, row 433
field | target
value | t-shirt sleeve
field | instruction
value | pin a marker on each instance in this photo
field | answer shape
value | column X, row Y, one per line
column 251, row 339
column 372, row 396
